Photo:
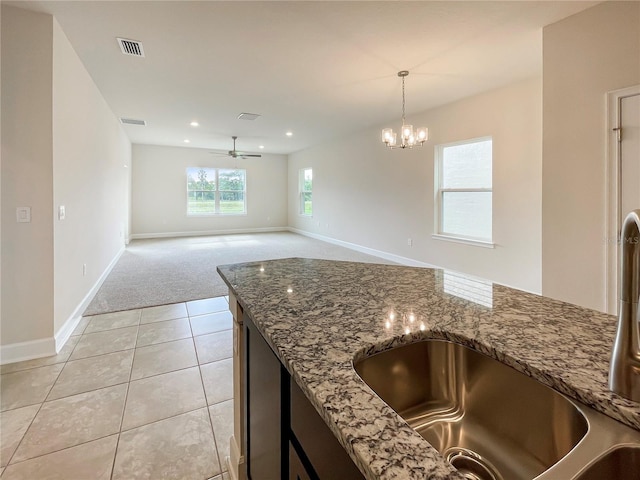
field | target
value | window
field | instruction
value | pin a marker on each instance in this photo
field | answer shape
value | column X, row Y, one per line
column 216, row 191
column 305, row 188
column 463, row 190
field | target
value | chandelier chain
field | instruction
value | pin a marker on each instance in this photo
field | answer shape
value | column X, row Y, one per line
column 402, row 100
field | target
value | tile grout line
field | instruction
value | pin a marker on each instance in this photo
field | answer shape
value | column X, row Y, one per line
column 213, row 433
column 141, row 346
column 88, row 391
column 39, row 408
column 163, row 419
column 95, row 388
column 165, row 373
column 61, row 449
column 206, row 400
column 126, row 396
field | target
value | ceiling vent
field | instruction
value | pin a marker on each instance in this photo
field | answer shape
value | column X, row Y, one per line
column 132, row 121
column 248, row 116
column 131, row 47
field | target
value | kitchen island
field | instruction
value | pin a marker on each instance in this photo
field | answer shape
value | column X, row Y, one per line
column 318, row 316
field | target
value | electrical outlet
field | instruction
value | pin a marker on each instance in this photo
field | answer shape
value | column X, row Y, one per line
column 23, row 214
column 84, row 269
column 410, row 242
column 62, row 212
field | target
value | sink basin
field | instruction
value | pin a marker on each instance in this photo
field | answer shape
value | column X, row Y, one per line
column 621, row 463
column 488, row 420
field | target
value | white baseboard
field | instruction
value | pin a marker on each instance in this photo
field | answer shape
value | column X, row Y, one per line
column 17, row 352
column 70, row 325
column 235, row 461
column 45, row 347
column 370, row 251
column 204, row 233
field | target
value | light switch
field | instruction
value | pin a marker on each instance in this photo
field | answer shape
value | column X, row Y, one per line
column 23, row 214
column 61, row 212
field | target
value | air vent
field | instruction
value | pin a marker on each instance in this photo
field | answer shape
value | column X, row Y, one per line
column 248, row 116
column 131, row 47
column 132, row 121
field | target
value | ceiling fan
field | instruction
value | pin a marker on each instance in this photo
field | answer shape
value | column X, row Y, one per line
column 235, row 153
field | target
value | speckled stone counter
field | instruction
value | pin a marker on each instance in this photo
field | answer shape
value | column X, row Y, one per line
column 320, row 315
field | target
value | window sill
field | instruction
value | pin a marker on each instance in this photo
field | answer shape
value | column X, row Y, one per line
column 305, row 215
column 465, row 241
column 209, row 215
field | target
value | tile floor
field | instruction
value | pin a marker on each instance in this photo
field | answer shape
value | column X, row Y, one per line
column 137, row 394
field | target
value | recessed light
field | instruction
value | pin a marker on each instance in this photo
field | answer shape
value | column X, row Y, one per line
column 261, row 147
column 289, row 134
column 186, row 140
column 194, row 124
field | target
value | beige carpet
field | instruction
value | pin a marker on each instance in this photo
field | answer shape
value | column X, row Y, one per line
column 172, row 270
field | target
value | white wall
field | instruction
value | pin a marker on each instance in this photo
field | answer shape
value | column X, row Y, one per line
column 27, row 178
column 91, row 158
column 159, row 192
column 585, row 56
column 61, row 145
column 371, row 196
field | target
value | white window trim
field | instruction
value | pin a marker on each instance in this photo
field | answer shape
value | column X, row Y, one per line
column 301, row 192
column 463, row 240
column 217, row 192
column 437, row 192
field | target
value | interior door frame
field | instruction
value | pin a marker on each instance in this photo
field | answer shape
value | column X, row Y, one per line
column 613, row 177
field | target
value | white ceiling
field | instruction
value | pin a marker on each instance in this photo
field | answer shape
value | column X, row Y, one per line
column 320, row 69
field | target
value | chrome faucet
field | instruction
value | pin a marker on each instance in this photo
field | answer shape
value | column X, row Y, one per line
column 624, row 372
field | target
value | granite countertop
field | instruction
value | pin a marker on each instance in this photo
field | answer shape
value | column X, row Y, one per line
column 320, row 315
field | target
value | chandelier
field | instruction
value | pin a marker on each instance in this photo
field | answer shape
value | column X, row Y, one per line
column 408, row 138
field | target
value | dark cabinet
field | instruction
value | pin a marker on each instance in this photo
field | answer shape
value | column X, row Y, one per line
column 284, row 434
column 263, row 407
column 325, row 456
column 297, row 470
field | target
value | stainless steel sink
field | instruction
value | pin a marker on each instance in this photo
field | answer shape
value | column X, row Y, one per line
column 621, row 463
column 488, row 420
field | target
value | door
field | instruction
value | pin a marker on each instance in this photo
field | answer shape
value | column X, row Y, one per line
column 624, row 177
column 629, row 154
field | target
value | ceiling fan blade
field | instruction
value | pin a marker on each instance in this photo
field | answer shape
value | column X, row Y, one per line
column 235, row 153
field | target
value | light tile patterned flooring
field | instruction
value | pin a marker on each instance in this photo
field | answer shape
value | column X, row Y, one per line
column 137, row 394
